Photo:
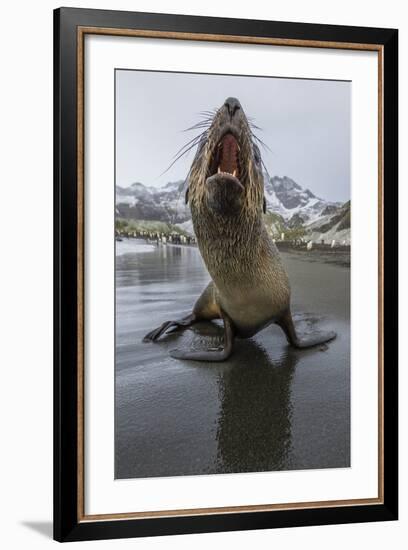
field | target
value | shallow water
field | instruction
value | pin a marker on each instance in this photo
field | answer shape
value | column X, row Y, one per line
column 268, row 407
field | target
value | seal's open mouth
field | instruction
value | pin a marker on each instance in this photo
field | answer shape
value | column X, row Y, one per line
column 225, row 159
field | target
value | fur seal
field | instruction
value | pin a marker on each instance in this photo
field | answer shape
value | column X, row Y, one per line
column 249, row 289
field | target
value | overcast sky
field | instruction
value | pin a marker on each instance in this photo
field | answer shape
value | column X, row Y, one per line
column 306, row 124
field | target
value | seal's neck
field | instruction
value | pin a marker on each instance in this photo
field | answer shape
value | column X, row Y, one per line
column 229, row 246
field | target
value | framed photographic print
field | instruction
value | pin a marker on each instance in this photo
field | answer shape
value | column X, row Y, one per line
column 225, row 274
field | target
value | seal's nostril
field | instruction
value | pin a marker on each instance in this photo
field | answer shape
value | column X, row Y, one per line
column 233, row 105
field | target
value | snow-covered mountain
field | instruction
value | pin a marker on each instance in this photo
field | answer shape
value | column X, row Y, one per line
column 287, row 198
column 331, row 225
column 141, row 202
column 290, row 205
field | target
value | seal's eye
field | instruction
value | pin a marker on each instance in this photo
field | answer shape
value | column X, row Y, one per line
column 257, row 154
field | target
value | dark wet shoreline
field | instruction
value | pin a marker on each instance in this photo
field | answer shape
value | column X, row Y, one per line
column 337, row 257
column 267, row 408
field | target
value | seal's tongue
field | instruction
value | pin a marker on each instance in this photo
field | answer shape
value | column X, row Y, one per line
column 228, row 156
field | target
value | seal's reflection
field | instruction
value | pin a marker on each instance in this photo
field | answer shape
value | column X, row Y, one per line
column 254, row 428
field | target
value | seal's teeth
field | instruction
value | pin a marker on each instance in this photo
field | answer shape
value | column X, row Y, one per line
column 219, row 171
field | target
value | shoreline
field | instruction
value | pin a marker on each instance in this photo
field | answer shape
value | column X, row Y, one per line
column 338, row 255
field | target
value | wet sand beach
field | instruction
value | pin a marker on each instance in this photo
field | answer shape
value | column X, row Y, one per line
column 268, row 407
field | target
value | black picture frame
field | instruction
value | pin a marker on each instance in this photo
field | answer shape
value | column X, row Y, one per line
column 67, row 523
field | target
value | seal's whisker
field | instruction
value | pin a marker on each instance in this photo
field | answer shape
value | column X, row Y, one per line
column 193, row 141
column 184, row 150
column 190, row 145
column 251, row 122
column 261, row 142
column 203, row 120
column 202, row 124
column 208, row 112
column 265, row 168
column 178, row 158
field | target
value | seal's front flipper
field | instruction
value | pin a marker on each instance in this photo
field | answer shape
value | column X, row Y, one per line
column 212, row 355
column 215, row 356
column 286, row 324
column 170, row 326
column 315, row 339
